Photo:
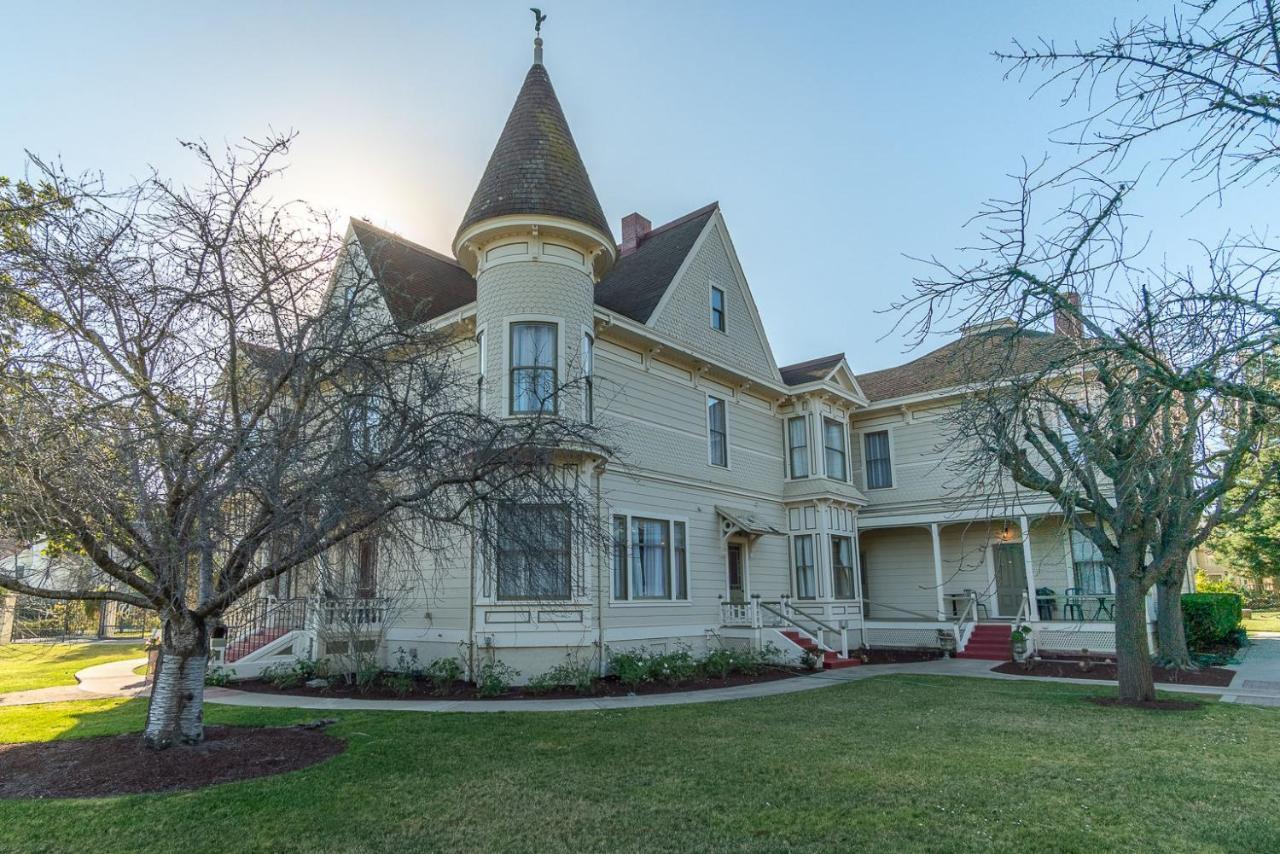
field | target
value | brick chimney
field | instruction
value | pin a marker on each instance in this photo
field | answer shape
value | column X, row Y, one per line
column 1065, row 323
column 634, row 228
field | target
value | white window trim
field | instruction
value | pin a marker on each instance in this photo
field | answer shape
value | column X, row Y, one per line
column 706, row 419
column 844, row 426
column 893, row 457
column 614, row 602
column 853, row 563
column 808, row 448
column 588, row 332
column 505, row 352
column 724, row 307
column 817, row 567
column 487, row 594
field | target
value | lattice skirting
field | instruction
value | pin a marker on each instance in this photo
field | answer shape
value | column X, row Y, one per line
column 1072, row 639
column 903, row 637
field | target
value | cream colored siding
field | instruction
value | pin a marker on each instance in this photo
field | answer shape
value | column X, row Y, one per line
column 899, row 572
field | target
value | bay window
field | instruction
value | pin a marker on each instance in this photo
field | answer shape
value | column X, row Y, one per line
column 806, row 571
column 833, row 444
column 798, row 445
column 650, row 560
column 533, row 552
column 533, row 368
column 842, row 567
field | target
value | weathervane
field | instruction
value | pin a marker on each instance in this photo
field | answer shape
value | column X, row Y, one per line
column 538, row 18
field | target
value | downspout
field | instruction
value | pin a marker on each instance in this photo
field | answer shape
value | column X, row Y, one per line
column 471, row 614
column 597, row 470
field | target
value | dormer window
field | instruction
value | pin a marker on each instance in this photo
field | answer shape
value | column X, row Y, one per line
column 533, row 368
column 717, row 309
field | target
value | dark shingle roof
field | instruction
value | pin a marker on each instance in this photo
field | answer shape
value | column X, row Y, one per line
column 418, row 284
column 975, row 358
column 535, row 167
column 810, row 371
column 635, row 285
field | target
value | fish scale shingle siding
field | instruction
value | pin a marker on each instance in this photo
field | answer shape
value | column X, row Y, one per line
column 687, row 313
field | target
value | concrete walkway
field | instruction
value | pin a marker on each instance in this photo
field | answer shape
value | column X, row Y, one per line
column 1257, row 681
column 101, row 682
column 1259, row 694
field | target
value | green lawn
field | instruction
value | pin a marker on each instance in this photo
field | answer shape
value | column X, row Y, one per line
column 1263, row 621
column 890, row 764
column 24, row 666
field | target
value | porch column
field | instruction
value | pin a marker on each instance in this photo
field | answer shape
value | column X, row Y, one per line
column 1033, row 608
column 937, row 568
column 8, row 610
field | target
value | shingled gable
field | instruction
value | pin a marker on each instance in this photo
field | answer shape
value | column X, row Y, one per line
column 535, row 168
column 417, row 283
column 811, row 371
column 975, row 357
column 635, row 285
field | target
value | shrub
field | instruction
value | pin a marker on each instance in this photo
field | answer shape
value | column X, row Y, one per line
column 285, row 676
column 631, row 668
column 367, row 675
column 1210, row 617
column 495, row 678
column 217, row 677
column 673, row 667
column 442, row 673
column 721, row 662
column 754, row 662
column 572, row 674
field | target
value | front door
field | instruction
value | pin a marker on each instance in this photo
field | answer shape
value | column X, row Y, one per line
column 1011, row 578
column 737, row 586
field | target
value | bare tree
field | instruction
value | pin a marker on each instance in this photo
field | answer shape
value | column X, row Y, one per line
column 204, row 391
column 1119, row 417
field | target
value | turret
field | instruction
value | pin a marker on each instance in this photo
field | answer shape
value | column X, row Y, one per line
column 536, row 240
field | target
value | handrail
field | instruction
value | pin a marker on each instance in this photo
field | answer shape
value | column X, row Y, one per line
column 1024, row 609
column 932, row 618
column 813, row 619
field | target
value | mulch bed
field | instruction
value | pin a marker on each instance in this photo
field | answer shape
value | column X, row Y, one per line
column 897, row 656
column 1217, row 677
column 1151, row 705
column 123, row 765
column 423, row 690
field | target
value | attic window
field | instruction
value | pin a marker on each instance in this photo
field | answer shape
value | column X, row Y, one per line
column 717, row 309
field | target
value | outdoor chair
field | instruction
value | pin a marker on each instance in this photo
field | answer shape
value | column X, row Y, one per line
column 1073, row 605
column 1046, row 602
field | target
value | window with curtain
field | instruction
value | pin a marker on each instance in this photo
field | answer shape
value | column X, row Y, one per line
column 878, row 462
column 842, row 567
column 650, row 560
column 533, row 368
column 481, row 363
column 367, row 568
column 717, row 309
column 717, row 432
column 806, row 571
column 588, row 377
column 798, row 444
column 533, row 553
column 1091, row 572
column 833, row 443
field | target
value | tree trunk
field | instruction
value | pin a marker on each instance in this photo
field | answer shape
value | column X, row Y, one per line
column 1133, row 653
column 176, row 711
column 1171, row 633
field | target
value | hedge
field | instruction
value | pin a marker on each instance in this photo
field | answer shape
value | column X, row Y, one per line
column 1209, row 617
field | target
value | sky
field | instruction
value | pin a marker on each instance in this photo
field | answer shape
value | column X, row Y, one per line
column 843, row 140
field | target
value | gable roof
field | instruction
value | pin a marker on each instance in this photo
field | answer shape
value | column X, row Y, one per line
column 813, row 370
column 973, row 358
column 417, row 283
column 535, row 168
column 635, row 285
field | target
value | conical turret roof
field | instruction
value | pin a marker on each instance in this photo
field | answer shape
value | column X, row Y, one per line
column 535, row 167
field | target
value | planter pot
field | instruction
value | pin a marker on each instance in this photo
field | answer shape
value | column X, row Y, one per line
column 1019, row 648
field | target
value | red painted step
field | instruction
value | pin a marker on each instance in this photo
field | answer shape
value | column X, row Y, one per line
column 830, row 660
column 237, row 650
column 989, row 642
